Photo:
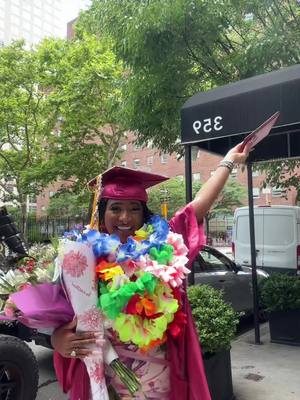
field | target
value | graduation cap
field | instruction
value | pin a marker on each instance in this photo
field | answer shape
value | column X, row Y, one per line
column 125, row 183
column 121, row 184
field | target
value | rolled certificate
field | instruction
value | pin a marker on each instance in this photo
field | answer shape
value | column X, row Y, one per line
column 77, row 263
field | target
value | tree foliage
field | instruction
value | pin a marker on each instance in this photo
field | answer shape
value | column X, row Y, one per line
column 68, row 204
column 175, row 48
column 232, row 196
column 83, row 78
column 173, row 191
column 60, row 106
column 25, row 118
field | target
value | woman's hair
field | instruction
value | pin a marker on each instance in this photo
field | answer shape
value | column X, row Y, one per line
column 147, row 214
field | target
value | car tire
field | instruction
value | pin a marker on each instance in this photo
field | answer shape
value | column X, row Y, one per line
column 19, row 374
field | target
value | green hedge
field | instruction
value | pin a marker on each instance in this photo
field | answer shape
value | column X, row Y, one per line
column 280, row 292
column 215, row 320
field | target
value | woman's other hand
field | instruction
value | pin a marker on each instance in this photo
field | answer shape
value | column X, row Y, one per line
column 73, row 344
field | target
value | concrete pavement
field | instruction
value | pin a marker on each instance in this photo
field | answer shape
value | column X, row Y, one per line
column 268, row 371
column 260, row 372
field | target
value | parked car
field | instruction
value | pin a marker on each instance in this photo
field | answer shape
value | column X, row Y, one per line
column 213, row 268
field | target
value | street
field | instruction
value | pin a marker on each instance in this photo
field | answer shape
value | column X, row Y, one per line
column 48, row 386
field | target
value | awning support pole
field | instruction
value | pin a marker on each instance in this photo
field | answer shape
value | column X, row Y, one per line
column 189, row 194
column 253, row 254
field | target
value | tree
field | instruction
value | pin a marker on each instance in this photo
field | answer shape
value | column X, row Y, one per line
column 60, row 106
column 25, row 117
column 175, row 48
column 173, row 191
column 68, row 204
column 178, row 47
column 232, row 196
column 283, row 174
column 83, row 79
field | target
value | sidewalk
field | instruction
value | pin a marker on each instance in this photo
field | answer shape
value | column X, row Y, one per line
column 264, row 372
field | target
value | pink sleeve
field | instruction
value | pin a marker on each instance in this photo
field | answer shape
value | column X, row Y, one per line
column 185, row 223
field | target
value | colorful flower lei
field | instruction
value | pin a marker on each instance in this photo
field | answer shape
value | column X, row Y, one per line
column 139, row 281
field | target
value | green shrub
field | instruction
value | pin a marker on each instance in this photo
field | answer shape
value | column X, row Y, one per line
column 281, row 292
column 215, row 320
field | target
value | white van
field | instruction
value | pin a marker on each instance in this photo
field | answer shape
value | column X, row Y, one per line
column 277, row 238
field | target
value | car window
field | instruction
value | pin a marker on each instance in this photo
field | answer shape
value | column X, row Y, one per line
column 212, row 263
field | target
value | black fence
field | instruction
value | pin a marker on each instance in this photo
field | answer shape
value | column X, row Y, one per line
column 43, row 229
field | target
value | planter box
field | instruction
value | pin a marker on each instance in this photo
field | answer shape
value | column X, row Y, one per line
column 218, row 374
column 285, row 327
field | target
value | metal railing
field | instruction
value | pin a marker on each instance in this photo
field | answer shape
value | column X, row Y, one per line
column 43, row 229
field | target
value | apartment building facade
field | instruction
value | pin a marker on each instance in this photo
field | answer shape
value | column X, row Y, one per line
column 204, row 164
column 31, row 20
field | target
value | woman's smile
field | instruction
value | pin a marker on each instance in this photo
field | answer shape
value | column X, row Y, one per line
column 123, row 217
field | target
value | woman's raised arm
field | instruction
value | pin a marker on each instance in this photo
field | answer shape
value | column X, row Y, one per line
column 212, row 188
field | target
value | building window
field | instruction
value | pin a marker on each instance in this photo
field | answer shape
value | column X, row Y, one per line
column 136, row 163
column 150, row 160
column 32, row 208
column 256, row 193
column 150, row 144
column 136, row 147
column 124, row 163
column 10, row 187
column 164, row 158
column 276, row 192
column 32, row 198
column 196, row 177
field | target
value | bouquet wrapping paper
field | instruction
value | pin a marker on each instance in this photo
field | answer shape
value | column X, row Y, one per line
column 77, row 265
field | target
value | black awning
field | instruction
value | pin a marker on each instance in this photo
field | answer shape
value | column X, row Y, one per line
column 220, row 118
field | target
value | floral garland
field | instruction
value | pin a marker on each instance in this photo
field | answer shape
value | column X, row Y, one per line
column 139, row 281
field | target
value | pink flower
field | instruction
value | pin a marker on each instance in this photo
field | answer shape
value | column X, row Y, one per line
column 24, row 286
column 173, row 274
column 97, row 372
column 129, row 267
column 177, row 242
column 9, row 310
column 74, row 263
column 91, row 319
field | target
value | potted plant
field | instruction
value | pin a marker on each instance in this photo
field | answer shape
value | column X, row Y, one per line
column 280, row 295
column 216, row 323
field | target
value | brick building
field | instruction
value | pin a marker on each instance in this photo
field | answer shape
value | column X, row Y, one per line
column 203, row 166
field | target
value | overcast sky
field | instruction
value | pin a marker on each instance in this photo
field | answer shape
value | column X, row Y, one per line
column 70, row 10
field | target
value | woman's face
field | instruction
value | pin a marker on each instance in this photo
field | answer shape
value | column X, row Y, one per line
column 123, row 217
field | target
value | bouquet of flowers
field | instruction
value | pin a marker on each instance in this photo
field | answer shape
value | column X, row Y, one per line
column 36, row 268
column 132, row 288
